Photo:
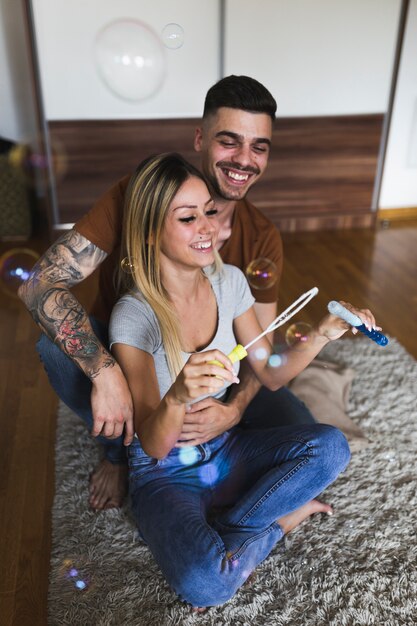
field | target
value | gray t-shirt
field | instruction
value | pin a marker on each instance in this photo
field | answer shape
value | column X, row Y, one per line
column 134, row 323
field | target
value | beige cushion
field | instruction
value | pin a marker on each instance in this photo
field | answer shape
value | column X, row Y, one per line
column 325, row 387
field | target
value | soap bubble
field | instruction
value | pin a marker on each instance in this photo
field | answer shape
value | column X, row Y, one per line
column 273, row 360
column 260, row 354
column 173, row 36
column 209, row 474
column 15, row 267
column 75, row 575
column 33, row 162
column 127, row 266
column 130, row 59
column 298, row 332
column 262, row 273
column 276, row 360
column 188, row 455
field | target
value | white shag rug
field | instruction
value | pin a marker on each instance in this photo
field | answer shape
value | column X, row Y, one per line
column 357, row 568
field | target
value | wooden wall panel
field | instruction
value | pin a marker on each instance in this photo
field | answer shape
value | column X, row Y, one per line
column 321, row 172
column 320, row 175
column 98, row 153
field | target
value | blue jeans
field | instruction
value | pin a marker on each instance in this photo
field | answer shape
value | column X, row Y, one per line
column 267, row 409
column 209, row 513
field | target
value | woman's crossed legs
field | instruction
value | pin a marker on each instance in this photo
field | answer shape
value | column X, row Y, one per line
column 254, row 479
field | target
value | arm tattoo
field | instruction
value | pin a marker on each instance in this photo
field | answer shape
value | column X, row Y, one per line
column 54, row 308
column 62, row 317
column 69, row 260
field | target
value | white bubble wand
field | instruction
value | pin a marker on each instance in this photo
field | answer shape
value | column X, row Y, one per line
column 239, row 352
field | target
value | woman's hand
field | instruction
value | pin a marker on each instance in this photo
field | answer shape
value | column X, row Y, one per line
column 200, row 377
column 333, row 327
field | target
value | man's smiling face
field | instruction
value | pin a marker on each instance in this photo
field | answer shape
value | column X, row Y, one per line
column 234, row 146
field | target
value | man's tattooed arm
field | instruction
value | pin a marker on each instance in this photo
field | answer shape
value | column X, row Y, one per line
column 47, row 295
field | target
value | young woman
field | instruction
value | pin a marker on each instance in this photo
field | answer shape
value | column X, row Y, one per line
column 209, row 513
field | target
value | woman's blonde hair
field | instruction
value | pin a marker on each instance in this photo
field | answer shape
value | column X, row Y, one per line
column 149, row 194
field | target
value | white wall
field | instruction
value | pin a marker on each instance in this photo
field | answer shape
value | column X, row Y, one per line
column 323, row 57
column 399, row 181
column 318, row 57
column 66, row 32
column 17, row 110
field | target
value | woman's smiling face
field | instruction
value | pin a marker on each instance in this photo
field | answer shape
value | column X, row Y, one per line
column 190, row 230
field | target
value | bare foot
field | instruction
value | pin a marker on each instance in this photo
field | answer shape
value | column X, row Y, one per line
column 199, row 609
column 108, row 485
column 290, row 521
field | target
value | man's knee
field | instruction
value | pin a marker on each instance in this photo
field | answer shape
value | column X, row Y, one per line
column 206, row 588
column 55, row 361
column 334, row 448
column 43, row 346
column 49, row 353
column 70, row 384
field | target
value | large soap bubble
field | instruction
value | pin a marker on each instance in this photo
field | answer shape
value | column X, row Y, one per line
column 130, row 59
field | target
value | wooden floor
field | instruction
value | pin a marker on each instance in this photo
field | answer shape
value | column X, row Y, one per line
column 375, row 269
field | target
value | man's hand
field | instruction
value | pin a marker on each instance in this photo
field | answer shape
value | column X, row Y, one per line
column 112, row 406
column 207, row 419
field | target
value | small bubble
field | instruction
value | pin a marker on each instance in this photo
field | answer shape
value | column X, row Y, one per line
column 297, row 333
column 260, row 354
column 173, row 36
column 188, row 455
column 34, row 161
column 127, row 266
column 262, row 273
column 208, row 474
column 15, row 268
column 275, row 360
column 75, row 577
column 80, row 584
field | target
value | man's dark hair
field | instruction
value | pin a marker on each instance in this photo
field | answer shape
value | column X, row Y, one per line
column 240, row 92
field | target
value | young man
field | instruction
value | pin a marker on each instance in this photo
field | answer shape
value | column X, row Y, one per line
column 234, row 141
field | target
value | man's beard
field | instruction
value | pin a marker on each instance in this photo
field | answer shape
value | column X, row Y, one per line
column 230, row 194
